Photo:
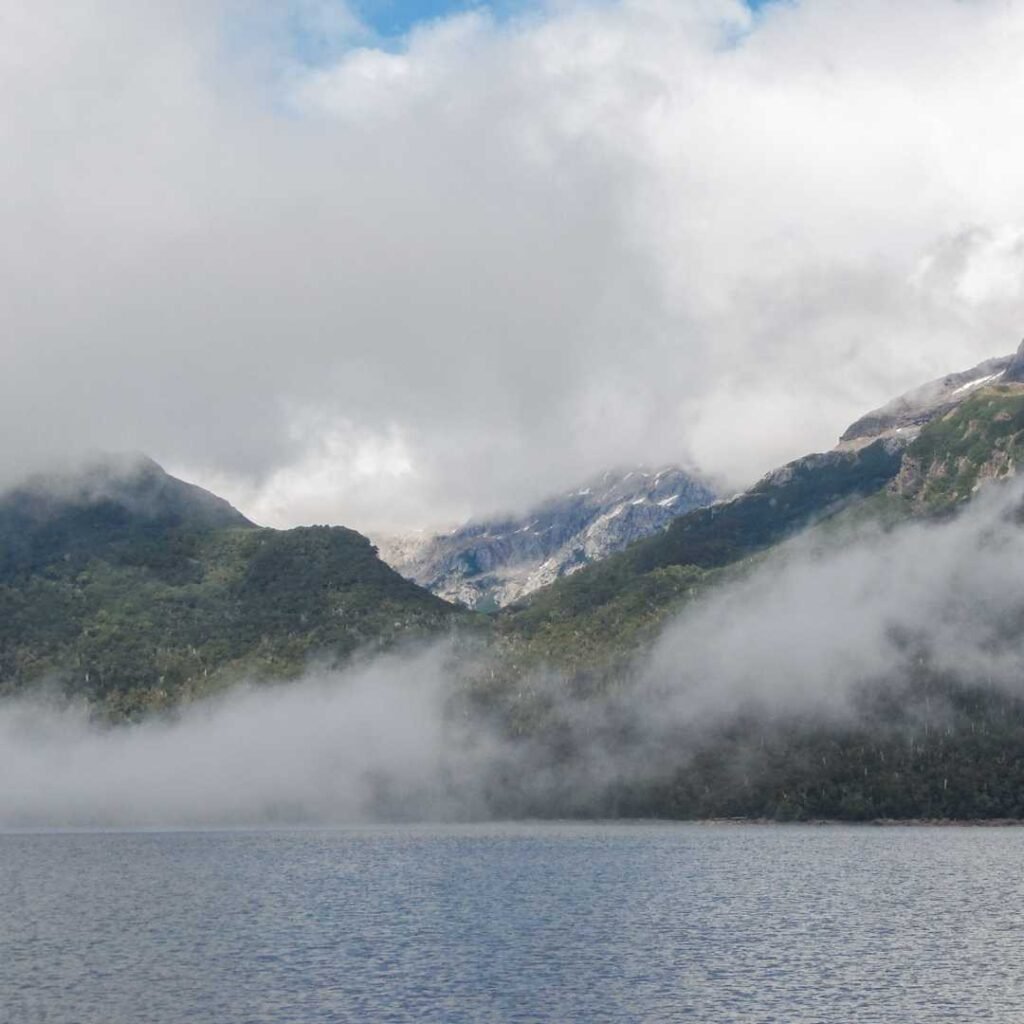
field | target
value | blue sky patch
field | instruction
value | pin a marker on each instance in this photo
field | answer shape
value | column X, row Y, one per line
column 396, row 17
column 321, row 37
column 392, row 18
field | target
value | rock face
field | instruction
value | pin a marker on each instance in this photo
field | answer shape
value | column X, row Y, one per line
column 488, row 565
column 1014, row 373
column 903, row 417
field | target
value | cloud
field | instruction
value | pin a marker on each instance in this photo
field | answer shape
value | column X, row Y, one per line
column 335, row 747
column 502, row 255
column 831, row 614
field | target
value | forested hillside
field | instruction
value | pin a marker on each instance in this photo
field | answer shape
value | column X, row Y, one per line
column 134, row 590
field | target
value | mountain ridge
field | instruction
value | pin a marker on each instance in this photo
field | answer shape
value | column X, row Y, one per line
column 921, row 454
column 141, row 593
column 490, row 563
column 903, row 416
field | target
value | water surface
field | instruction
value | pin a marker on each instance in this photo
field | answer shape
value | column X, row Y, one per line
column 533, row 922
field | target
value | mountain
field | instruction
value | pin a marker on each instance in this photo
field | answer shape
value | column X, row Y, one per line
column 955, row 433
column 111, row 505
column 922, row 454
column 135, row 591
column 669, row 518
column 903, row 417
column 933, row 729
column 492, row 563
column 123, row 585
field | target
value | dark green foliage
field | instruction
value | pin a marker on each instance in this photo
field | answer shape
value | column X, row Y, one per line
column 930, row 750
column 327, row 587
column 784, row 502
column 597, row 624
column 914, row 748
column 809, row 772
column 126, row 511
column 963, row 758
column 139, row 594
column 983, row 437
column 154, row 592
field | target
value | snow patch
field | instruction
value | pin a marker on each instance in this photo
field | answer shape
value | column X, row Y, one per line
column 975, row 383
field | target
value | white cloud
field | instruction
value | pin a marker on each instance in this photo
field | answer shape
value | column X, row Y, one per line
column 529, row 249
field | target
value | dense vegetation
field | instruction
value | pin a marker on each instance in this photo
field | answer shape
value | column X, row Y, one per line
column 613, row 606
column 981, row 438
column 925, row 747
column 151, row 592
column 962, row 759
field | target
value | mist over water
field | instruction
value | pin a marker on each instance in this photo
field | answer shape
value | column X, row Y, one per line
column 804, row 633
column 327, row 748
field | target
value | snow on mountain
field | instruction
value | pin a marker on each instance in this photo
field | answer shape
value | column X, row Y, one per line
column 492, row 563
column 903, row 417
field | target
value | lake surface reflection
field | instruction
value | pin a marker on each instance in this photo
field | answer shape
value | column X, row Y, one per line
column 509, row 923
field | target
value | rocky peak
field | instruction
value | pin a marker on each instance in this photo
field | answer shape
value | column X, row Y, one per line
column 492, row 562
column 1014, row 373
column 902, row 418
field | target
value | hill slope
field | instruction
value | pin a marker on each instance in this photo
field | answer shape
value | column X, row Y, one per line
column 134, row 589
column 921, row 455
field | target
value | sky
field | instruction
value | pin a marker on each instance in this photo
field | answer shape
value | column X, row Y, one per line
column 392, row 265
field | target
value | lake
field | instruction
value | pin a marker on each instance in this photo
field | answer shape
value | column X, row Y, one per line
column 513, row 923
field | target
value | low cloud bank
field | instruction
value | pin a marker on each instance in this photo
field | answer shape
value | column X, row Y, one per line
column 832, row 613
column 334, row 747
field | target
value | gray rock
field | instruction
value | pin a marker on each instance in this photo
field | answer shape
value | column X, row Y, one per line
column 1014, row 373
column 903, row 417
column 492, row 563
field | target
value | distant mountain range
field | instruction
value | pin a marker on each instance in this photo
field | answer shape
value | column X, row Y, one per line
column 920, row 739
column 491, row 563
column 135, row 591
column 124, row 584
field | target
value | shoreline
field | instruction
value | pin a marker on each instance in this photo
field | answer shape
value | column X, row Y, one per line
column 874, row 822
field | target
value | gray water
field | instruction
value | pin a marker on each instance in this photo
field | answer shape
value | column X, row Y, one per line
column 533, row 922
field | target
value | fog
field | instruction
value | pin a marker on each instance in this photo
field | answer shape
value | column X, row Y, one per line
column 346, row 279
column 333, row 747
column 838, row 610
column 801, row 634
